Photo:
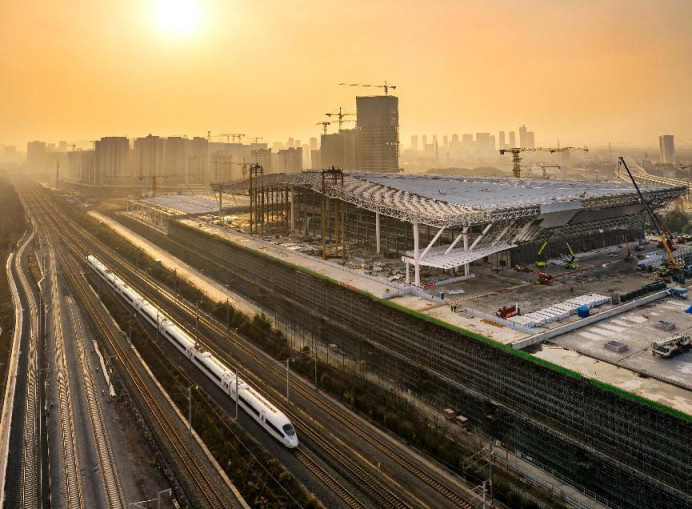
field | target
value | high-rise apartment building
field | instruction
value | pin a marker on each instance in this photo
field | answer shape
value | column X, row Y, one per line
column 378, row 133
column 522, row 136
column 197, row 161
column 512, row 139
column 414, row 142
column 316, row 159
column 467, row 141
column 290, row 160
column 81, row 167
column 530, row 140
column 111, row 158
column 455, row 138
column 501, row 139
column 175, row 153
column 666, row 144
column 313, row 143
column 36, row 154
column 263, row 157
column 148, row 156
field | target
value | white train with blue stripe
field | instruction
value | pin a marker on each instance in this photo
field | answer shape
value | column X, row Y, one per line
column 267, row 415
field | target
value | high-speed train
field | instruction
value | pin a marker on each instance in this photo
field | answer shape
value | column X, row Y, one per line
column 267, row 415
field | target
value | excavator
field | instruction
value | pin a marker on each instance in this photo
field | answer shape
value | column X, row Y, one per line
column 571, row 263
column 665, row 236
column 541, row 262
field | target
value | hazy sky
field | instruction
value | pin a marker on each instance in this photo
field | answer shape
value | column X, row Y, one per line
column 584, row 71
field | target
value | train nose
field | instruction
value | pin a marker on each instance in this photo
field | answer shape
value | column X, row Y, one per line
column 292, row 441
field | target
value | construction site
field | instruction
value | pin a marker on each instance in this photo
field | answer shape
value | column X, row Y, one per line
column 527, row 308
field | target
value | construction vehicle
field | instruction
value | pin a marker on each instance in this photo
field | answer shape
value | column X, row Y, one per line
column 541, row 262
column 516, row 157
column 386, row 86
column 571, row 263
column 671, row 347
column 543, row 277
column 522, row 268
column 665, row 236
column 628, row 257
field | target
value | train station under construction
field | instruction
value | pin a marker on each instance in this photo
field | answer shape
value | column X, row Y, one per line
column 442, row 223
column 594, row 418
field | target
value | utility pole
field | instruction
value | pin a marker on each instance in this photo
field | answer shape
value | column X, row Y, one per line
column 228, row 315
column 237, row 395
column 490, row 470
column 314, row 347
column 287, row 361
column 197, row 319
column 189, row 408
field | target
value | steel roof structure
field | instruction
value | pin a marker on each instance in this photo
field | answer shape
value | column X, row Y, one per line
column 451, row 201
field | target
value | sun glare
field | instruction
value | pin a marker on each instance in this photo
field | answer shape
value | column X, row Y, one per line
column 178, row 16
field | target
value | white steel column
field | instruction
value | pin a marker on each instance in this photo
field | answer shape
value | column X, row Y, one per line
column 292, row 211
column 416, row 255
column 377, row 231
column 466, row 248
column 408, row 273
column 437, row 236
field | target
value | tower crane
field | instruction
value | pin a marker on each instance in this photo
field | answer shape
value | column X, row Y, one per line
column 544, row 166
column 324, row 125
column 666, row 237
column 257, row 139
column 516, row 157
column 340, row 116
column 386, row 86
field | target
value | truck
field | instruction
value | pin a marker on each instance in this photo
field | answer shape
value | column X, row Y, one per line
column 672, row 346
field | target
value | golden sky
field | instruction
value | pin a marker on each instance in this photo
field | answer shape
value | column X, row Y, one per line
column 584, row 71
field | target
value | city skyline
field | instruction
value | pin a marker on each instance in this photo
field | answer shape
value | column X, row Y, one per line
column 544, row 67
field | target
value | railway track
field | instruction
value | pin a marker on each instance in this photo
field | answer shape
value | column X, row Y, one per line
column 297, row 385
column 375, row 487
column 329, row 480
column 180, row 447
column 72, row 479
column 109, row 473
column 30, row 495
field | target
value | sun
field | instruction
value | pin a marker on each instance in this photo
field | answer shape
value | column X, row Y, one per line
column 178, row 16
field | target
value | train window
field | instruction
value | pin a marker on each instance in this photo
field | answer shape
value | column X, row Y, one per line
column 288, row 429
column 249, row 405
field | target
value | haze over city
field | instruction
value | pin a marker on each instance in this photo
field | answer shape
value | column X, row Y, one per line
column 591, row 72
column 346, row 254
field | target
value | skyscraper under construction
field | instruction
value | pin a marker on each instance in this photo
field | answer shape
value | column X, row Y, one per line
column 378, row 133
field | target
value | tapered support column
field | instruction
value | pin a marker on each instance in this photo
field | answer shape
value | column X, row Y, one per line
column 377, row 231
column 416, row 254
column 466, row 248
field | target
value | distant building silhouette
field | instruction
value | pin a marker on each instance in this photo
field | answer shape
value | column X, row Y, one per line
column 111, row 158
column 36, row 156
column 148, row 156
column 530, row 140
column 501, row 139
column 512, row 139
column 666, row 145
column 522, row 137
column 414, row 142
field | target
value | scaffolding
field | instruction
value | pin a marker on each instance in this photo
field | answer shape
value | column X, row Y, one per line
column 624, row 449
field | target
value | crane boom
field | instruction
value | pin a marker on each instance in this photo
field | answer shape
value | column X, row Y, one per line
column 661, row 229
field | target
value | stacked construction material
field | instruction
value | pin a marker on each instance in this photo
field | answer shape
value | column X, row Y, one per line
column 560, row 311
